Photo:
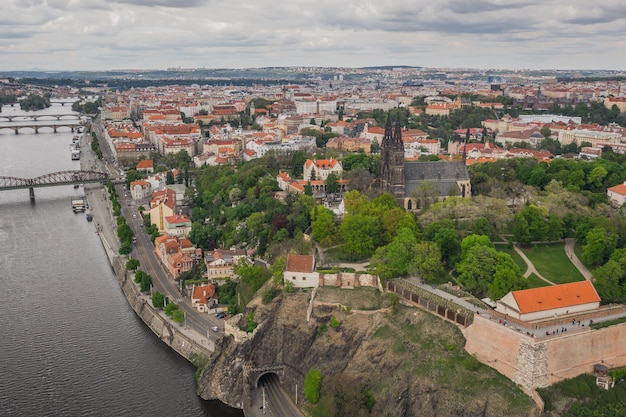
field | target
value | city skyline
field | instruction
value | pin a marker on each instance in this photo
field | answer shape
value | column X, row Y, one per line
column 157, row 34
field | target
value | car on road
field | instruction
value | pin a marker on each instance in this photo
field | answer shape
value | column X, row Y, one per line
column 215, row 329
column 134, row 216
column 220, row 314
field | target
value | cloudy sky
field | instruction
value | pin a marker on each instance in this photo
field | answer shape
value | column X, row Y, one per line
column 157, row 34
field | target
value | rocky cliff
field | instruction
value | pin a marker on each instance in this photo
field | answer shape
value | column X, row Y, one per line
column 389, row 359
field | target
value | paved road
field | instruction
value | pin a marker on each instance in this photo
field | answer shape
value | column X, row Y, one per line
column 143, row 249
column 277, row 402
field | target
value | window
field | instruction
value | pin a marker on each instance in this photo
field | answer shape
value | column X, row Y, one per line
column 303, row 278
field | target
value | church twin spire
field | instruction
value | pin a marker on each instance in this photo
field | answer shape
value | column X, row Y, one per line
column 393, row 141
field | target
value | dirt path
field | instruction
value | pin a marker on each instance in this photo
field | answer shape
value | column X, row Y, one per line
column 531, row 268
column 569, row 250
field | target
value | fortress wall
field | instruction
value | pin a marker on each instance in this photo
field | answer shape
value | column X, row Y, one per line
column 536, row 363
column 494, row 345
column 572, row 354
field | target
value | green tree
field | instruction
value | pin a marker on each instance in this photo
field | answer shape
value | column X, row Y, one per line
column 426, row 260
column 607, row 282
column 332, row 183
column 476, row 270
column 361, row 235
column 170, row 308
column 297, row 163
column 507, row 277
column 158, row 300
column 313, row 386
column 323, row 225
column 593, row 249
column 132, row 264
column 474, row 240
column 178, row 316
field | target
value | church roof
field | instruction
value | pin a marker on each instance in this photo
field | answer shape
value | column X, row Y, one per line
column 443, row 175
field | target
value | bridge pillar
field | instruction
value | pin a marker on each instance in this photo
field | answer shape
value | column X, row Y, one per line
column 17, row 131
column 36, row 130
column 31, row 192
column 55, row 128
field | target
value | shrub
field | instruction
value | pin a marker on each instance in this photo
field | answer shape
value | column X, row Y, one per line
column 322, row 328
column 471, row 363
column 334, row 323
column 313, row 386
column 170, row 309
column 269, row 294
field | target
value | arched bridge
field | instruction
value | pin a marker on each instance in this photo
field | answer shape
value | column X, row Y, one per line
column 36, row 117
column 53, row 179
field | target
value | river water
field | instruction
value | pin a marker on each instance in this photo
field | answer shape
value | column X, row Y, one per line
column 70, row 345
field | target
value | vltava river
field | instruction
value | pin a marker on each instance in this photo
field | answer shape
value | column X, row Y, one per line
column 70, row 345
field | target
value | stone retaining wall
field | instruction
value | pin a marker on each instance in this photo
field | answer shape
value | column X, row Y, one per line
column 537, row 363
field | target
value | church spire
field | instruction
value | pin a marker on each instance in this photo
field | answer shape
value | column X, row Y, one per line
column 397, row 134
column 387, row 137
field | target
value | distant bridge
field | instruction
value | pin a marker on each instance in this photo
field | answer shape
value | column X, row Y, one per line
column 39, row 124
column 22, row 117
column 50, row 180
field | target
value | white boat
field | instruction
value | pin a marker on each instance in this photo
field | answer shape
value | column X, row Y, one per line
column 78, row 205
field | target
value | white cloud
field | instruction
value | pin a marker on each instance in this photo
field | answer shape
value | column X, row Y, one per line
column 101, row 34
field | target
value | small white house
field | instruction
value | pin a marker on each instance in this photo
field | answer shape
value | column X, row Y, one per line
column 300, row 271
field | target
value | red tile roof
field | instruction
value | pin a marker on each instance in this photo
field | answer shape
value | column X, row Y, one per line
column 555, row 296
column 300, row 263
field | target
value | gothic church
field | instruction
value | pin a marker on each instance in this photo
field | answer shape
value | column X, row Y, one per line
column 401, row 178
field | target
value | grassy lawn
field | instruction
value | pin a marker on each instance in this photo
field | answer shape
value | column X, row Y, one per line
column 535, row 282
column 516, row 258
column 552, row 262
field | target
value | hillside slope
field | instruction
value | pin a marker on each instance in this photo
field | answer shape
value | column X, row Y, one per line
column 410, row 362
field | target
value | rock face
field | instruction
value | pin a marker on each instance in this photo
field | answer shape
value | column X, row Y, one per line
column 406, row 364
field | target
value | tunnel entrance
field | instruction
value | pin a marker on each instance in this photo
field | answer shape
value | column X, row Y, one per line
column 266, row 378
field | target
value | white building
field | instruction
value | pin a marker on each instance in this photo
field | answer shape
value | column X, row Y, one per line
column 300, row 271
column 549, row 302
column 140, row 189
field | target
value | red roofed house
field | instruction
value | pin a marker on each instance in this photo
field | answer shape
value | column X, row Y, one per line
column 203, row 297
column 547, row 302
column 300, row 271
column 177, row 225
column 140, row 189
column 176, row 253
column 617, row 194
column 145, row 165
column 319, row 169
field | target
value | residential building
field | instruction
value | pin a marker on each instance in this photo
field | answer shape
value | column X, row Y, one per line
column 204, row 297
column 617, row 195
column 140, row 190
column 320, row 169
column 177, row 225
column 220, row 263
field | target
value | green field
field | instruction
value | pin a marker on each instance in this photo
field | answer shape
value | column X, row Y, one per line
column 552, row 262
column 535, row 282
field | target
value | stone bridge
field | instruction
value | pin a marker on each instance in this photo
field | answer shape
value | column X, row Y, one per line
column 34, row 117
column 40, row 124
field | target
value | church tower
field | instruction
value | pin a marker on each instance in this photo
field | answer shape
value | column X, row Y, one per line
column 392, row 161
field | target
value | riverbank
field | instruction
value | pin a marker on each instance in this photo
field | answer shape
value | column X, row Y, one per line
column 185, row 342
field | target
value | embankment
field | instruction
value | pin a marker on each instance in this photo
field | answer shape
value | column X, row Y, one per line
column 169, row 332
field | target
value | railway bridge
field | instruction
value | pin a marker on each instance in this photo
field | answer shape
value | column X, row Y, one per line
column 50, row 180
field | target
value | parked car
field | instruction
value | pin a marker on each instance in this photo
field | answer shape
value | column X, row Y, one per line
column 215, row 329
column 220, row 314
